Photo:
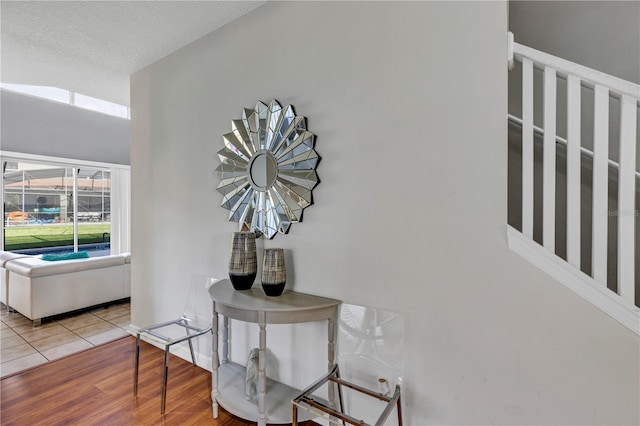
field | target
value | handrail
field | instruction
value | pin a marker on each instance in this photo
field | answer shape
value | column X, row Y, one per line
column 588, row 76
column 512, row 118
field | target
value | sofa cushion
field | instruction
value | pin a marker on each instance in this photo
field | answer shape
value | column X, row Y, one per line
column 36, row 267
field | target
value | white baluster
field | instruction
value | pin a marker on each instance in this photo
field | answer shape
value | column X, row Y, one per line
column 527, row 147
column 626, row 199
column 549, row 161
column 573, row 170
column 600, row 183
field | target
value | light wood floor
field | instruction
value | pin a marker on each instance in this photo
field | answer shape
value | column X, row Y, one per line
column 95, row 388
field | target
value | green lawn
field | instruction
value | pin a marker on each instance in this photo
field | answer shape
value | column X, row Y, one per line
column 19, row 237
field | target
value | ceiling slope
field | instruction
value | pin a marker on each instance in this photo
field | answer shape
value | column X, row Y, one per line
column 92, row 47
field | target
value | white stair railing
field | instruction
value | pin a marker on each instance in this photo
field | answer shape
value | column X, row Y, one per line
column 620, row 305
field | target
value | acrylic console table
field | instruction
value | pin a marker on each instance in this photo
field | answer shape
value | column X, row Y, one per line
column 228, row 378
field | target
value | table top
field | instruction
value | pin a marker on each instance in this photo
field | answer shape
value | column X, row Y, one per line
column 255, row 299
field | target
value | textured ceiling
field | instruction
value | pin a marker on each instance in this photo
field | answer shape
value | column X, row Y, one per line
column 92, row 47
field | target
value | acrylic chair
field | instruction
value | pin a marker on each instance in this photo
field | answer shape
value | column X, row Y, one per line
column 194, row 322
column 369, row 362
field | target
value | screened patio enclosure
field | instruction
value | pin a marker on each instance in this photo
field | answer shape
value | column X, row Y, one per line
column 34, row 194
column 61, row 206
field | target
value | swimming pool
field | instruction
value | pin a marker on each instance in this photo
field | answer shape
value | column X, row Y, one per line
column 94, row 250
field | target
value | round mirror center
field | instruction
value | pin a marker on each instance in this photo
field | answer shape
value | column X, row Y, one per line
column 263, row 170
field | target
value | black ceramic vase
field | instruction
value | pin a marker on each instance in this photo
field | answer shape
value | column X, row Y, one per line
column 243, row 263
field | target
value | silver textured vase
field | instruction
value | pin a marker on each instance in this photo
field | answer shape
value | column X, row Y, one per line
column 274, row 272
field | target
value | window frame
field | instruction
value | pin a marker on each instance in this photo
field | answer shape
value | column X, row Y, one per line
column 70, row 163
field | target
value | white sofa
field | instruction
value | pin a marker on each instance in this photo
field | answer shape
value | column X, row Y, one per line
column 37, row 288
column 6, row 256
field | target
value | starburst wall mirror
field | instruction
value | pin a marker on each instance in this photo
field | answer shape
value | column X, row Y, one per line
column 267, row 169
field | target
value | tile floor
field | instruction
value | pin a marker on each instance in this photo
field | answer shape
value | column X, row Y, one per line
column 22, row 346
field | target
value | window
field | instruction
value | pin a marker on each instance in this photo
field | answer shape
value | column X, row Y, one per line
column 51, row 93
column 39, row 211
column 100, row 105
column 71, row 98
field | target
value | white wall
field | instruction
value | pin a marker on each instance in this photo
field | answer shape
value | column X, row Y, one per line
column 408, row 101
column 36, row 126
column 601, row 34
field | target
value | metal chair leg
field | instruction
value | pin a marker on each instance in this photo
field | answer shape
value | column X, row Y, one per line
column 135, row 370
column 164, row 378
column 193, row 357
column 340, row 399
column 399, row 407
column 294, row 415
